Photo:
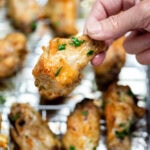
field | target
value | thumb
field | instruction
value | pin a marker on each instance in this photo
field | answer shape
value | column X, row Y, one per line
column 117, row 25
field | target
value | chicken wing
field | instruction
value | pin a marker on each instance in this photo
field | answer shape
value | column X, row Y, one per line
column 24, row 14
column 57, row 72
column 83, row 127
column 109, row 70
column 62, row 15
column 119, row 112
column 12, row 53
column 29, row 131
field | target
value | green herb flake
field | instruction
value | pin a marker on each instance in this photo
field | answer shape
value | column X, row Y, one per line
column 33, row 26
column 84, row 113
column 57, row 23
column 15, row 117
column 90, row 52
column 27, row 136
column 58, row 71
column 94, row 148
column 72, row 148
column 129, row 93
column 76, row 42
column 2, row 100
column 122, row 125
column 62, row 47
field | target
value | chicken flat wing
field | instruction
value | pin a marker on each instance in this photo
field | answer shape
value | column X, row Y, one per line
column 58, row 70
column 120, row 113
column 108, row 72
column 12, row 53
column 29, row 131
column 83, row 127
column 24, row 13
column 62, row 15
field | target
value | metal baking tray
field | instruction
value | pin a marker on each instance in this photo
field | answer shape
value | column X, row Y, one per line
column 21, row 88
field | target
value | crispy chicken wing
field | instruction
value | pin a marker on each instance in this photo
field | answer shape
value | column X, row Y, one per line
column 24, row 13
column 119, row 112
column 2, row 3
column 29, row 131
column 83, row 127
column 62, row 14
column 109, row 70
column 58, row 70
column 12, row 53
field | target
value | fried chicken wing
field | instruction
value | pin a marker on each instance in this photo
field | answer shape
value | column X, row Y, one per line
column 108, row 72
column 119, row 112
column 2, row 3
column 62, row 15
column 83, row 127
column 57, row 72
column 12, row 53
column 24, row 13
column 29, row 131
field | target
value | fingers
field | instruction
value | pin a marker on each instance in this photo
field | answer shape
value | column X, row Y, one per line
column 136, row 43
column 98, row 59
column 144, row 57
column 117, row 25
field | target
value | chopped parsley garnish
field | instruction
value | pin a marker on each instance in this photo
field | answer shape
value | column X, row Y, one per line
column 129, row 93
column 2, row 100
column 122, row 125
column 58, row 71
column 84, row 113
column 26, row 136
column 125, row 132
column 33, row 25
column 94, row 148
column 90, row 52
column 72, row 148
column 62, row 47
column 15, row 117
column 76, row 42
column 57, row 23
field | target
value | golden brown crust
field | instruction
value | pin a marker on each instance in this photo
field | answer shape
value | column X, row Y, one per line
column 12, row 53
column 24, row 14
column 109, row 70
column 58, row 72
column 119, row 112
column 30, row 131
column 83, row 127
column 62, row 22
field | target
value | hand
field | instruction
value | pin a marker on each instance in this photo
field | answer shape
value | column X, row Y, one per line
column 110, row 19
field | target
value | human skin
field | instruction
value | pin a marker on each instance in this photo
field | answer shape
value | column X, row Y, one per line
column 111, row 19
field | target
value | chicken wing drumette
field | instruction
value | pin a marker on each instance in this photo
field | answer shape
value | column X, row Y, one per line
column 62, row 15
column 24, row 14
column 83, row 127
column 108, row 72
column 120, row 111
column 12, row 53
column 29, row 131
column 57, row 72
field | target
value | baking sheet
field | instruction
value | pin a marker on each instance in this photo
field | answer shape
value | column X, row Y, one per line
column 21, row 88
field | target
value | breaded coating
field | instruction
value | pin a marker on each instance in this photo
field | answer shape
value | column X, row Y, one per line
column 2, row 3
column 12, row 53
column 119, row 112
column 62, row 15
column 29, row 131
column 24, row 14
column 83, row 127
column 58, row 70
column 108, row 72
